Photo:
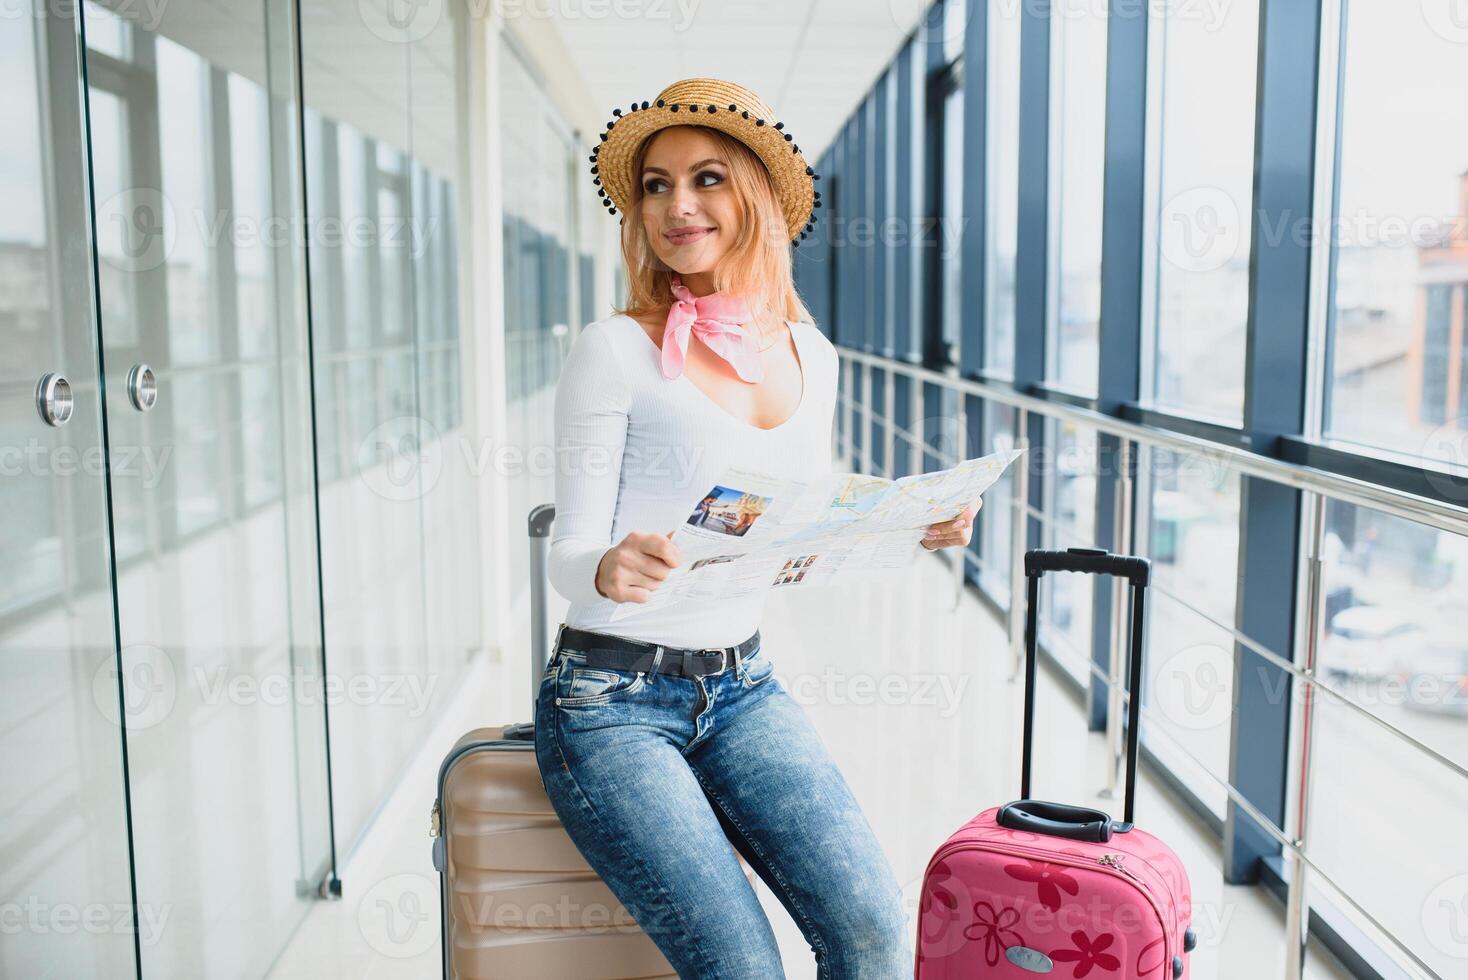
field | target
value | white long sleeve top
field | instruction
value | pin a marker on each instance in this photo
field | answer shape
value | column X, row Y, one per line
column 636, row 452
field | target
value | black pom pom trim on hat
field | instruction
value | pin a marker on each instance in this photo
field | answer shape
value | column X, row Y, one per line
column 617, row 112
column 759, row 122
column 745, row 113
column 673, row 107
column 660, row 103
column 779, row 125
column 733, row 107
column 644, row 103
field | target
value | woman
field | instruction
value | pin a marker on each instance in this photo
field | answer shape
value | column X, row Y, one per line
column 663, row 742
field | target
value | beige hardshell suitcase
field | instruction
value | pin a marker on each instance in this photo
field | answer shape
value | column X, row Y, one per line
column 518, row 900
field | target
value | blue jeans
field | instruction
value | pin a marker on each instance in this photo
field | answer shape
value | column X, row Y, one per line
column 658, row 779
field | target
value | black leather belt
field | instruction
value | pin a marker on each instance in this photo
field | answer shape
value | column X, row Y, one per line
column 621, row 653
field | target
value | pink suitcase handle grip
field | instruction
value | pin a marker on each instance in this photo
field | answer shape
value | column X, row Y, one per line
column 1060, row 820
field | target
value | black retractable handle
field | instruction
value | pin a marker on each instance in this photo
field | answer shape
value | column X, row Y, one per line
column 1092, row 561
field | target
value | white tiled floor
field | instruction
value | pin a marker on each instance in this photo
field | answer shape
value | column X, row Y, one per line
column 911, row 692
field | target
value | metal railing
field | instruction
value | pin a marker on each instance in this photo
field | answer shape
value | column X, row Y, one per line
column 1317, row 487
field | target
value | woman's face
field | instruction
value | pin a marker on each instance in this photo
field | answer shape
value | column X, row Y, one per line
column 688, row 206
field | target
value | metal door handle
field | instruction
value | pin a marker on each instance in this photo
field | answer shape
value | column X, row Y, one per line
column 53, row 398
column 142, row 387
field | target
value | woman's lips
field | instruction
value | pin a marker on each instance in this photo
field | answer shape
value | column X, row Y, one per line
column 686, row 236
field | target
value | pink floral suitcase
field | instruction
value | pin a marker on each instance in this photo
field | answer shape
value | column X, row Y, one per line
column 1035, row 887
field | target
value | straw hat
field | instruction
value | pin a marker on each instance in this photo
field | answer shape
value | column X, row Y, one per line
column 720, row 105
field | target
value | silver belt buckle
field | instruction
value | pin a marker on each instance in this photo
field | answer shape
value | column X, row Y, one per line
column 723, row 656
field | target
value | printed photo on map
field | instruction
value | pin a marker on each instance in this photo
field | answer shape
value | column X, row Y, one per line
column 728, row 511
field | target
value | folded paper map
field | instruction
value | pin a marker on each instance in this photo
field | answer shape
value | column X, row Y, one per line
column 751, row 532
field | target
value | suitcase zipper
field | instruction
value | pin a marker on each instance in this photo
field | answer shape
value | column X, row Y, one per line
column 1109, row 860
column 1172, row 904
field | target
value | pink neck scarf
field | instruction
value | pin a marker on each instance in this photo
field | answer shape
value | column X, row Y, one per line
column 716, row 318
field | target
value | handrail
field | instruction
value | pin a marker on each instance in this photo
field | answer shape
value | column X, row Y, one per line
column 1319, row 485
column 1413, row 507
column 1277, row 660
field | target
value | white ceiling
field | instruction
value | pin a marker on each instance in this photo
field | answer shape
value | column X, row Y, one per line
column 811, row 60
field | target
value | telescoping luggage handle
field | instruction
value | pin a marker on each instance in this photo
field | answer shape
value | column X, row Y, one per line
column 1058, row 819
column 540, row 520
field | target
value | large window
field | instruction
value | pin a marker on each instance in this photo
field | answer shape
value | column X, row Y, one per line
column 1395, row 348
column 1395, row 642
column 1077, row 157
column 1192, row 538
column 1068, row 475
column 1002, row 194
column 1203, row 68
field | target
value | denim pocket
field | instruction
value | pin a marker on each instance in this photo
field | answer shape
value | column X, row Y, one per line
column 578, row 684
column 757, row 669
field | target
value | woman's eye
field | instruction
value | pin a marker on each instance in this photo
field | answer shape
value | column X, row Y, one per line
column 653, row 184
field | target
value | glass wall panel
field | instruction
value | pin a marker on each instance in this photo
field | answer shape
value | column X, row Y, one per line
column 1002, row 195
column 1068, row 475
column 1204, row 188
column 197, row 193
column 386, row 166
column 1077, row 157
column 64, row 857
column 1191, row 507
column 996, row 517
column 1395, row 379
column 542, row 275
column 1393, row 642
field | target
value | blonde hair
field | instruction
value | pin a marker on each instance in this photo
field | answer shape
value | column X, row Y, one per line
column 758, row 263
